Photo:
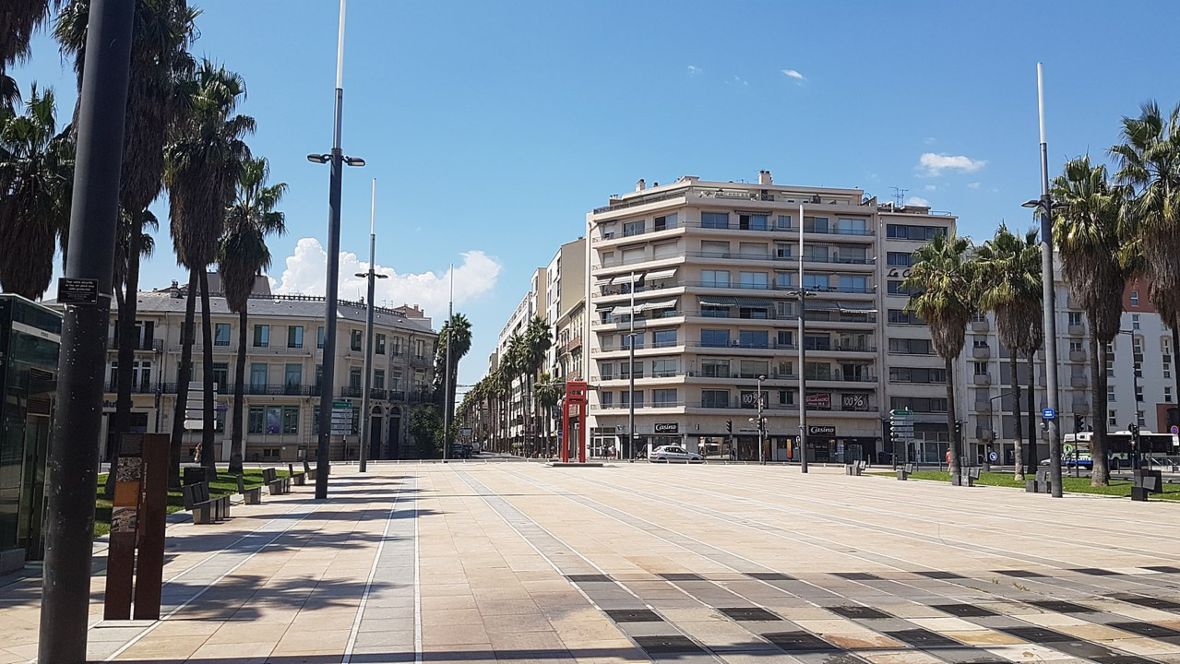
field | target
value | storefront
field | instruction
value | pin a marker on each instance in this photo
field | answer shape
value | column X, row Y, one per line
column 825, row 445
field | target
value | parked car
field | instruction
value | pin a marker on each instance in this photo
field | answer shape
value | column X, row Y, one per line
column 669, row 453
column 460, row 451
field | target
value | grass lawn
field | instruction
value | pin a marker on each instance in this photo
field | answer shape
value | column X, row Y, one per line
column 224, row 484
column 1068, row 484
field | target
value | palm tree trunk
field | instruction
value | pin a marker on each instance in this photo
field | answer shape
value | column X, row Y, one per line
column 950, row 420
column 121, row 422
column 1175, row 374
column 1018, row 452
column 1100, row 473
column 1031, row 466
column 239, row 450
column 184, row 374
column 208, row 454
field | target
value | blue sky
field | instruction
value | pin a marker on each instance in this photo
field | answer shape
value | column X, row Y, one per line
column 493, row 127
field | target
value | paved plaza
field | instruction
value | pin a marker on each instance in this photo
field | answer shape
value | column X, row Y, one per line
column 482, row 562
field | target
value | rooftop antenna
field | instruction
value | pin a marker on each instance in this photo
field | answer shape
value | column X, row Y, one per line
column 899, row 196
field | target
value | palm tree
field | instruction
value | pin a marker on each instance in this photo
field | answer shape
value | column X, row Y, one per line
column 538, row 339
column 18, row 21
column 203, row 164
column 243, row 256
column 547, row 394
column 160, row 66
column 941, row 283
column 1149, row 170
column 455, row 333
column 36, row 172
column 514, row 364
column 1087, row 231
column 1008, row 280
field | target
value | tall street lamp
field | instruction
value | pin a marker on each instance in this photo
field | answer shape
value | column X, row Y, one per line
column 447, row 399
column 337, row 159
column 1044, row 206
column 372, row 276
column 761, row 425
column 631, row 379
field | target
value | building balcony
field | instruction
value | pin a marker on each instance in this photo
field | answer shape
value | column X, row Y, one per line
column 982, row 379
column 137, row 387
column 1079, row 382
column 980, row 326
column 1078, row 356
column 771, row 287
column 1076, row 330
column 831, row 259
column 981, row 352
column 254, row 389
column 983, row 406
column 144, row 345
column 1081, row 407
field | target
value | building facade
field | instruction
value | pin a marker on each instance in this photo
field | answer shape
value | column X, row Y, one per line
column 284, row 356
column 704, row 278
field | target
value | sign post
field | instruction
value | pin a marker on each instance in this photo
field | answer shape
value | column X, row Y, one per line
column 136, row 556
column 901, row 431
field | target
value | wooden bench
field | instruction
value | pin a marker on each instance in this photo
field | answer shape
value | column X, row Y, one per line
column 250, row 496
column 205, row 508
column 905, row 471
column 277, row 485
column 297, row 478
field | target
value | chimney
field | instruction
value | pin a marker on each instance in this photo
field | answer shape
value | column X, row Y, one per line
column 764, row 177
column 641, row 185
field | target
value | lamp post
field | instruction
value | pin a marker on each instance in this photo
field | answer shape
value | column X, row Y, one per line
column 631, row 379
column 761, row 425
column 72, row 464
column 1044, row 206
column 802, row 293
column 372, row 277
column 447, row 370
column 338, row 160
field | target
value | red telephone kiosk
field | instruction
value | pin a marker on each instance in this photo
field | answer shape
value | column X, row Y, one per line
column 574, row 408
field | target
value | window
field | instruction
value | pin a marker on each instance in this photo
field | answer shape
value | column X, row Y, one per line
column 754, row 338
column 1076, row 347
column 786, row 397
column 980, row 368
column 607, row 399
column 258, row 376
column 1110, row 396
column 1134, row 298
column 753, row 368
column 627, row 338
column 1112, row 418
column 815, row 224
column 903, row 317
column 665, row 222
column 1139, row 416
column 915, row 233
column 752, row 222
column 1168, row 394
column 782, row 250
column 899, row 259
column 754, row 250
column 850, row 283
column 1074, row 317
column 355, row 376
column 256, row 420
column 756, row 280
column 715, row 338
column 290, row 419
column 319, row 337
column 357, row 339
column 783, row 222
column 633, row 228
column 714, row 249
column 221, row 376
column 784, row 279
column 785, row 338
column 261, row 336
column 665, row 366
column 818, row 282
column 910, row 346
column 397, row 347
column 379, row 379
column 663, row 338
column 715, row 278
column 714, row 220
column 293, row 378
column 1134, row 321
column 664, row 250
column 636, row 399
column 979, row 342
column 853, row 226
column 715, row 367
column 219, row 421
column 715, row 398
column 221, row 334
column 916, row 375
column 919, row 404
column 634, row 255
column 380, row 349
column 664, row 397
column 894, row 287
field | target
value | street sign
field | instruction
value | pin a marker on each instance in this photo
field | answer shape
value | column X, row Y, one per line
column 466, row 432
column 993, row 456
column 341, row 418
column 1049, row 414
column 77, row 291
column 1174, row 429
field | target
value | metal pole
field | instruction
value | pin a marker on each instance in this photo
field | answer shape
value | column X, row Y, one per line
column 447, row 371
column 631, row 380
column 327, row 384
column 802, row 353
column 366, row 418
column 761, row 433
column 72, row 464
column 1049, row 297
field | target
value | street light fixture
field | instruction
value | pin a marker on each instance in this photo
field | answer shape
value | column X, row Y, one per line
column 371, row 276
column 337, row 160
column 761, row 425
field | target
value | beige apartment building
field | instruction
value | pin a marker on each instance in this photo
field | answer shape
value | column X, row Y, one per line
column 285, row 339
column 706, row 274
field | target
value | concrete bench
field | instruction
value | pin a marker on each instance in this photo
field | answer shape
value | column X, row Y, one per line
column 205, row 508
column 308, row 471
column 905, row 471
column 277, row 485
column 297, row 478
column 251, row 495
column 970, row 475
column 856, row 468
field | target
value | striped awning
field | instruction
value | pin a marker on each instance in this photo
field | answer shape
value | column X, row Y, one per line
column 661, row 274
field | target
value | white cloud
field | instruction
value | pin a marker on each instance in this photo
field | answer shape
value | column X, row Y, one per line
column 794, row 74
column 305, row 272
column 929, row 140
column 930, row 187
column 933, row 164
column 974, row 185
column 693, row 70
column 917, row 201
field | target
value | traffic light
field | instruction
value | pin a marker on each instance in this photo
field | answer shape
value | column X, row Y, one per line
column 729, row 426
column 958, row 430
column 1133, row 428
column 1079, row 423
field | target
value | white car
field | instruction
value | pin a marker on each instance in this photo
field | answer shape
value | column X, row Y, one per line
column 669, row 453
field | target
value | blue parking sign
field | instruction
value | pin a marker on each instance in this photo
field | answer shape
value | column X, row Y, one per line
column 1049, row 414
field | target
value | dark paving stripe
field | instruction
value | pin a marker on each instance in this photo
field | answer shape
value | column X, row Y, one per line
column 1021, row 573
column 1165, row 569
column 1146, row 629
column 936, row 574
column 858, row 612
column 770, row 576
column 682, row 577
column 1061, row 607
column 1094, row 571
column 964, row 610
column 672, row 644
column 1124, row 659
column 858, row 576
column 922, row 638
column 749, row 614
column 799, row 642
column 633, row 615
column 588, row 578
column 1149, row 602
column 1036, row 634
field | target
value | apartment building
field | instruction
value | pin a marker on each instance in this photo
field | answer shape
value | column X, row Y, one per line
column 285, row 347
column 1140, row 384
column 565, row 310
column 703, row 278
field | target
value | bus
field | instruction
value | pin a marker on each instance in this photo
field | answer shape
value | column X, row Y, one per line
column 1155, row 448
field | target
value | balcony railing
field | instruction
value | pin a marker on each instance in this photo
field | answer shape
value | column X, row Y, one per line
column 771, row 227
column 747, row 256
column 779, row 287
